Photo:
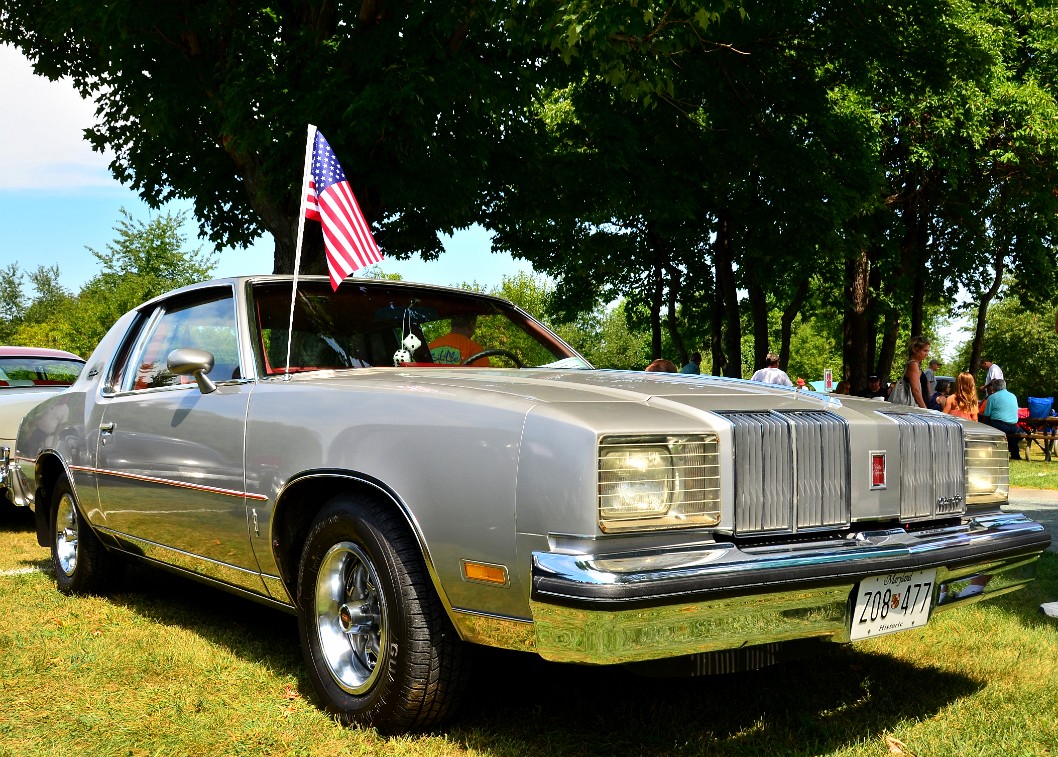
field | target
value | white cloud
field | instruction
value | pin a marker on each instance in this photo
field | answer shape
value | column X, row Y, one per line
column 42, row 144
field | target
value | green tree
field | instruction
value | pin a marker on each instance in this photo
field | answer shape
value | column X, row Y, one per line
column 209, row 102
column 45, row 317
column 608, row 340
column 144, row 260
column 12, row 300
column 601, row 334
column 1023, row 341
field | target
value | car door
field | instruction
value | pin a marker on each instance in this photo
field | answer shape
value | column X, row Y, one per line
column 169, row 458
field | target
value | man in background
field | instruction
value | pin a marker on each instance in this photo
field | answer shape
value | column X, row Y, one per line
column 693, row 366
column 456, row 346
column 771, row 373
column 1001, row 411
column 931, row 375
column 874, row 389
column 993, row 373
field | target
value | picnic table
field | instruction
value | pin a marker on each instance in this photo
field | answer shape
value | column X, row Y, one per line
column 1039, row 431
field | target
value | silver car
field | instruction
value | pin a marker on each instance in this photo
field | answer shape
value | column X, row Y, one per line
column 413, row 469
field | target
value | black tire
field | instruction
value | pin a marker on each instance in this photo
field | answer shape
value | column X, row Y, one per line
column 380, row 649
column 81, row 563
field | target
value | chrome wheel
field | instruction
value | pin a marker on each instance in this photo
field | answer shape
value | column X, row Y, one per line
column 350, row 611
column 66, row 528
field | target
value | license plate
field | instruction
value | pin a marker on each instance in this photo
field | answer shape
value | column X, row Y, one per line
column 893, row 602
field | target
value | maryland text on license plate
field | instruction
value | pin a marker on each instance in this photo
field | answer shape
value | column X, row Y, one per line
column 893, row 602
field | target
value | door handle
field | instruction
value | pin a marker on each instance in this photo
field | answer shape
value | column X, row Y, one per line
column 107, row 428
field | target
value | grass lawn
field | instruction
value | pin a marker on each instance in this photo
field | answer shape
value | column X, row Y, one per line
column 1035, row 473
column 168, row 667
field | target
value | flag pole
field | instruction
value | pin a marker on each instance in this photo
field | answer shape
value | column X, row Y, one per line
column 301, row 233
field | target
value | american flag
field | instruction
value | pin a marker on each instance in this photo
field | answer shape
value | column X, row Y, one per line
column 346, row 235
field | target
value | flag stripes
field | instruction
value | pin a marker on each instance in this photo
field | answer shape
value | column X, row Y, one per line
column 329, row 199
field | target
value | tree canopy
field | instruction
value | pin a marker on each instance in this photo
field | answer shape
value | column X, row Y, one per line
column 729, row 171
column 209, row 102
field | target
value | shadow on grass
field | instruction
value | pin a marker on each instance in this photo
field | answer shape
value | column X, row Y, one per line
column 247, row 629
column 15, row 519
column 1025, row 603
column 518, row 704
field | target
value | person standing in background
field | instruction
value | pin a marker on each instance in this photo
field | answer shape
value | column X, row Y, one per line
column 917, row 351
column 931, row 375
column 939, row 397
column 771, row 373
column 874, row 389
column 992, row 373
column 693, row 366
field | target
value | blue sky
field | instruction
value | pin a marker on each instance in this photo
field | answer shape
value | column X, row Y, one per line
column 57, row 197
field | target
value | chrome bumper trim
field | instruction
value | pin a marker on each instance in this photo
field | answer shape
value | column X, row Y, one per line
column 643, row 606
column 13, row 482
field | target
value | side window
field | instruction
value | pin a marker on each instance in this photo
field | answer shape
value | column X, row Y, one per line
column 207, row 326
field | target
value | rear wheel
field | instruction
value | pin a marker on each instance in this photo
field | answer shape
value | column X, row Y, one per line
column 82, row 564
column 379, row 647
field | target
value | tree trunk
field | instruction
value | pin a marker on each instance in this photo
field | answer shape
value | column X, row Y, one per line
column 313, row 259
column 919, row 256
column 728, row 295
column 671, row 317
column 887, row 354
column 918, row 297
column 913, row 249
column 657, row 293
column 793, row 308
column 999, row 264
column 716, row 329
column 854, row 328
column 874, row 308
column 758, row 304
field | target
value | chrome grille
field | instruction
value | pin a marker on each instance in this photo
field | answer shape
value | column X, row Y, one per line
column 932, row 466
column 791, row 471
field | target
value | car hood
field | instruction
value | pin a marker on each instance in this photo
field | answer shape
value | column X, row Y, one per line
column 552, row 386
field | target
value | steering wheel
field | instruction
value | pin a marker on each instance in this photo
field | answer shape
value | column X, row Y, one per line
column 490, row 353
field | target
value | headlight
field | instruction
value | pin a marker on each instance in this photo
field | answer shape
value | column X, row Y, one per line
column 658, row 482
column 987, row 468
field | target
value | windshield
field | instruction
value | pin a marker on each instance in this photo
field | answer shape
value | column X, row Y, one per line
column 386, row 325
column 27, row 370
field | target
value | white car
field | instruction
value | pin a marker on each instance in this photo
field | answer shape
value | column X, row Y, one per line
column 28, row 376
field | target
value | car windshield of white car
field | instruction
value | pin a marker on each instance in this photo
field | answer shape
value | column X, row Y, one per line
column 38, row 371
column 366, row 324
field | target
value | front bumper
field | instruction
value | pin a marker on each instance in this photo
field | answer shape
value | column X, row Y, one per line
column 631, row 607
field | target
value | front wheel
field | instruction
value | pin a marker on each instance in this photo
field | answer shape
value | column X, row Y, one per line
column 81, row 563
column 379, row 647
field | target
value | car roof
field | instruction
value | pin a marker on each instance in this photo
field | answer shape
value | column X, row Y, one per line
column 40, row 352
column 239, row 281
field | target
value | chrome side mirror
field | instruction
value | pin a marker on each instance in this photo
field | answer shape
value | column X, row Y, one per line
column 188, row 361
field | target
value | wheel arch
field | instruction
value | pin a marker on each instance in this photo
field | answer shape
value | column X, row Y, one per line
column 301, row 500
column 49, row 468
